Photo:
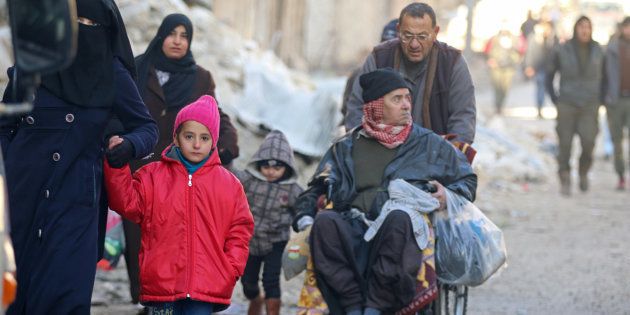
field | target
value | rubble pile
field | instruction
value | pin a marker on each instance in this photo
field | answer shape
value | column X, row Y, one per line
column 508, row 155
column 252, row 85
column 292, row 102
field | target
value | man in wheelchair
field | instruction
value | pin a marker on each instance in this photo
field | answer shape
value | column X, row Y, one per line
column 377, row 276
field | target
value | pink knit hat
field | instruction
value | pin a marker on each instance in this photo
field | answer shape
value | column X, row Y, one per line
column 204, row 111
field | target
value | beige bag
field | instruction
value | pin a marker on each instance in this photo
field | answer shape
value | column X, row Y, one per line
column 296, row 254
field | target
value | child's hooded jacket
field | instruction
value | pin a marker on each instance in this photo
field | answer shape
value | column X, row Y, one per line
column 271, row 203
column 195, row 228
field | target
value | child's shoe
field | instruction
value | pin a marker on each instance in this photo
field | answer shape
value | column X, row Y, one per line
column 255, row 306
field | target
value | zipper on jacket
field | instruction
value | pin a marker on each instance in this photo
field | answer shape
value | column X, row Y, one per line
column 191, row 229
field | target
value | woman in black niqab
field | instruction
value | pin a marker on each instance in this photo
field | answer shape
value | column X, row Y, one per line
column 54, row 156
column 178, row 89
column 89, row 80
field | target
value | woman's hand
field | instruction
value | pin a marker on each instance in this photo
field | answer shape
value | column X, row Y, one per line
column 114, row 141
column 119, row 152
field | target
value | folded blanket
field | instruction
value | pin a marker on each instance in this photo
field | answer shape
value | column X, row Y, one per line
column 413, row 201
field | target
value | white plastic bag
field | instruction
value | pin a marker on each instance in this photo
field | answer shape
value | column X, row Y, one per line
column 469, row 247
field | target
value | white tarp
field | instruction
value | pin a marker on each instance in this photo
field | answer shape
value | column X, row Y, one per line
column 274, row 98
column 513, row 158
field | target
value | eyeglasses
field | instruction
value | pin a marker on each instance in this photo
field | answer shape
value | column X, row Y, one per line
column 407, row 38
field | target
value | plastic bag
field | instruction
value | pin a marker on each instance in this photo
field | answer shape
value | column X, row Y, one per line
column 469, row 247
column 114, row 242
column 296, row 254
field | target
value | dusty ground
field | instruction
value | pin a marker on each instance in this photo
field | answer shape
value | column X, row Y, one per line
column 566, row 255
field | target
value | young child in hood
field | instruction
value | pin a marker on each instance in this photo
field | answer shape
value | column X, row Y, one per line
column 193, row 214
column 270, row 184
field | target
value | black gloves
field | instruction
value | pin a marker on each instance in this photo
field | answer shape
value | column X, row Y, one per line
column 121, row 154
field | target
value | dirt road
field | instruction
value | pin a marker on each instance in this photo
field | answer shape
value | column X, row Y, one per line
column 566, row 255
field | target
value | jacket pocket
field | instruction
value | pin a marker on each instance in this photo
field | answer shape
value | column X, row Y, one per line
column 86, row 189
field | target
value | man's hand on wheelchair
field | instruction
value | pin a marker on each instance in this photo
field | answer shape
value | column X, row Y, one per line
column 440, row 194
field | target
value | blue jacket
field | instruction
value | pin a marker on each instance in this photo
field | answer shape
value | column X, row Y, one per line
column 53, row 160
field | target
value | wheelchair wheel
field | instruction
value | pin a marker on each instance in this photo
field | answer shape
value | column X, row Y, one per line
column 451, row 300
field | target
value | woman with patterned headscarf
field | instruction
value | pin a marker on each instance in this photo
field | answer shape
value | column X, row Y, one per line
column 54, row 158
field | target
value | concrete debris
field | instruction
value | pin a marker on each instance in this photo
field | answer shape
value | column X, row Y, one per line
column 511, row 155
column 254, row 86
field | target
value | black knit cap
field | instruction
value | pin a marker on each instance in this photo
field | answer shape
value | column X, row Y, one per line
column 379, row 82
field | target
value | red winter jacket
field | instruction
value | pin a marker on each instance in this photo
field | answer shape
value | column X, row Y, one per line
column 195, row 228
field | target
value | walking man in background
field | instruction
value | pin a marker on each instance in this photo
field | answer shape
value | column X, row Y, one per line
column 540, row 45
column 617, row 94
column 503, row 58
column 579, row 62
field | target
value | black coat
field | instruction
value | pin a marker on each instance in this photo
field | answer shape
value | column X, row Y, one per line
column 53, row 159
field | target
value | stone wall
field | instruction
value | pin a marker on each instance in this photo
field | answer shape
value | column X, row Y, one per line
column 308, row 35
column 317, row 34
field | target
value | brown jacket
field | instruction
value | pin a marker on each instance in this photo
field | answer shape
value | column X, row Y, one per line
column 165, row 118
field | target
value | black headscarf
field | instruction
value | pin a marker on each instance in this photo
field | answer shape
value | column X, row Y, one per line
column 89, row 80
column 178, row 89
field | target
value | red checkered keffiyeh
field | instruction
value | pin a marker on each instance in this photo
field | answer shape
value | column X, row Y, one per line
column 387, row 135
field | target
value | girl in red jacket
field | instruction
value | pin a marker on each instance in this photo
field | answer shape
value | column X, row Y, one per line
column 194, row 216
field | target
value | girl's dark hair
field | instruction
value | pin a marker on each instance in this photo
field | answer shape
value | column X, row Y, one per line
column 418, row 9
column 179, row 128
